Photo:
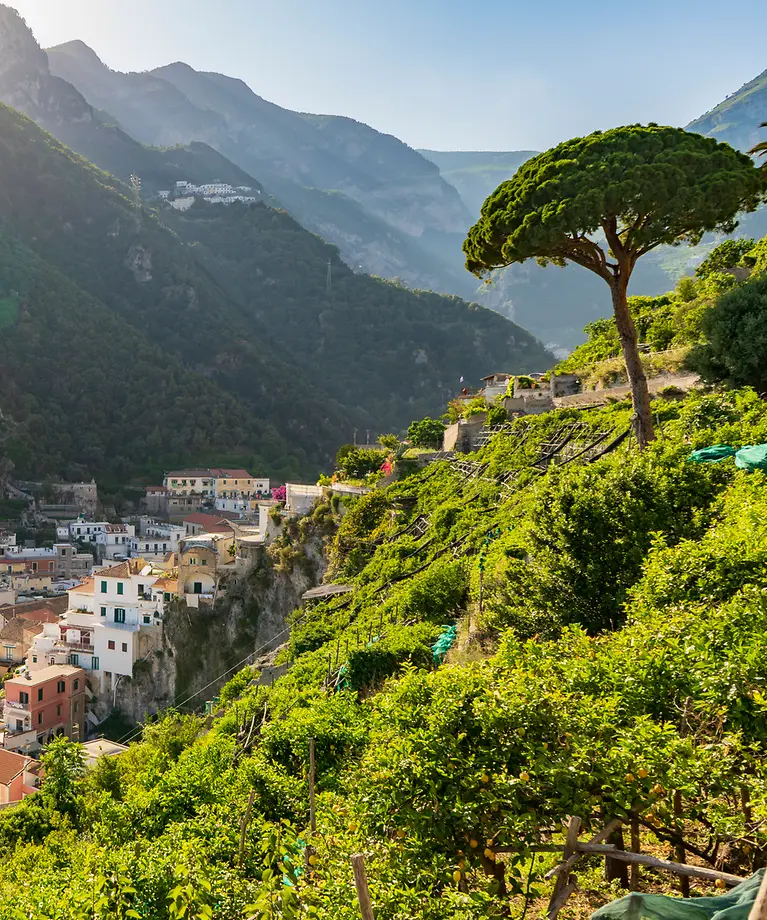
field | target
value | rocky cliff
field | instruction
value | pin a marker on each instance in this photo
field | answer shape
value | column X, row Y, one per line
column 201, row 649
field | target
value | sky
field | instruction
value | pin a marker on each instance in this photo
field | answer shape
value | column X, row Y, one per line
column 442, row 74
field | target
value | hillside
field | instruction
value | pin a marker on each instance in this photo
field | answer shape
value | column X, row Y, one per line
column 615, row 667
column 477, row 174
column 27, row 84
column 736, row 120
column 384, row 195
column 242, row 312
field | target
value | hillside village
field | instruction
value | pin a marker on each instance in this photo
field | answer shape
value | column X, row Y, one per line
column 184, row 194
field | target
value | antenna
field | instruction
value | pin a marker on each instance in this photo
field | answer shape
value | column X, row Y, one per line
column 329, row 283
column 135, row 184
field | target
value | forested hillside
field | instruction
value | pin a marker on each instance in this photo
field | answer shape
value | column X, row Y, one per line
column 737, row 118
column 555, row 625
column 240, row 314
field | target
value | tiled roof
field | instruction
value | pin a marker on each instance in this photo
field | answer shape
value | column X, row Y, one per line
column 123, row 570
column 115, row 528
column 43, row 675
column 166, row 584
column 232, row 474
column 14, row 630
column 157, row 489
column 85, row 586
column 186, row 474
column 57, row 605
column 40, row 615
column 11, row 766
column 208, row 521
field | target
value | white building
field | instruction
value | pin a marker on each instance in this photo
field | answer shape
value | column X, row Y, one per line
column 114, row 540
column 87, row 531
column 300, row 498
column 155, row 539
column 113, row 620
column 7, row 543
column 182, row 204
column 190, row 482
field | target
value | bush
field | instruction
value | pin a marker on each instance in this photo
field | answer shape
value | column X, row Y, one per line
column 736, row 332
column 426, row 433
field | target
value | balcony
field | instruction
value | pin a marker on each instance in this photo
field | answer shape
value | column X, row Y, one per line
column 17, row 707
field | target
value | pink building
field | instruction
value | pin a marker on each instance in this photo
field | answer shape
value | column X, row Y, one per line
column 48, row 701
column 18, row 777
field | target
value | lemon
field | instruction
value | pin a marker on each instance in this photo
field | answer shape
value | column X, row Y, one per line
column 473, row 843
column 457, row 876
column 642, row 773
column 524, row 776
column 313, row 860
column 489, row 854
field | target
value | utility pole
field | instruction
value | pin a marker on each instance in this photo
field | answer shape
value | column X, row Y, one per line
column 329, row 282
column 135, row 184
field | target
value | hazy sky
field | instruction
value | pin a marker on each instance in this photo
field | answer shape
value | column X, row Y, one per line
column 445, row 74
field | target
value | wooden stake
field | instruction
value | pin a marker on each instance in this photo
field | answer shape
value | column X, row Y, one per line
column 615, row 870
column 564, row 886
column 361, row 884
column 759, row 909
column 312, row 773
column 244, row 825
column 634, row 868
column 642, row 860
column 679, row 852
column 572, row 860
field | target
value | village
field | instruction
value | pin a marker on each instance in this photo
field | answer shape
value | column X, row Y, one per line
column 77, row 617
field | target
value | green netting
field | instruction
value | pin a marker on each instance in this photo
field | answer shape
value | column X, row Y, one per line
column 734, row 905
column 752, row 458
column 443, row 645
column 714, row 454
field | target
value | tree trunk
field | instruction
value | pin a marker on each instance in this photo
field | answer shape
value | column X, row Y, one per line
column 640, row 395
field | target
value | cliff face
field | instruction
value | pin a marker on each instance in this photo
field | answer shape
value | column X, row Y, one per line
column 26, row 83
column 201, row 649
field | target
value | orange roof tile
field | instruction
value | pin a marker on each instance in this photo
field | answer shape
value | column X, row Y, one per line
column 11, row 766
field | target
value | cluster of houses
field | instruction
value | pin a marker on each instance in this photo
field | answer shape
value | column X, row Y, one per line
column 68, row 653
column 184, row 194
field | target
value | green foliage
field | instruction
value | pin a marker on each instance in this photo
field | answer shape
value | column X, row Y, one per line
column 661, row 185
column 735, row 328
column 64, row 767
column 359, row 462
column 726, row 256
column 240, row 295
column 427, row 432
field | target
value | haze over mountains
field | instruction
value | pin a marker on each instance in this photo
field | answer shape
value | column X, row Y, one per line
column 132, row 339
column 391, row 210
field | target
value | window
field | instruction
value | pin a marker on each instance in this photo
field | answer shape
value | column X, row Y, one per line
column 120, row 587
column 95, row 664
column 58, row 710
column 203, row 561
column 103, row 587
column 111, row 645
column 39, row 718
column 34, row 659
column 23, row 697
column 76, row 684
column 39, row 694
column 75, row 707
column 198, row 587
column 140, row 589
column 125, row 646
column 147, row 619
column 166, row 596
column 61, row 686
column 34, row 566
column 9, row 650
column 119, row 615
column 103, row 611
column 74, row 660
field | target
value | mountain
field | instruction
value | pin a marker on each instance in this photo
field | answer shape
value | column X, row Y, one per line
column 27, row 84
column 129, row 343
column 477, row 174
column 367, row 192
column 736, row 120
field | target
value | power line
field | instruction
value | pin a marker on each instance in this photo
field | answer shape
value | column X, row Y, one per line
column 174, row 704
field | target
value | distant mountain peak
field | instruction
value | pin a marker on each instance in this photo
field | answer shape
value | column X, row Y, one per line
column 78, row 49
